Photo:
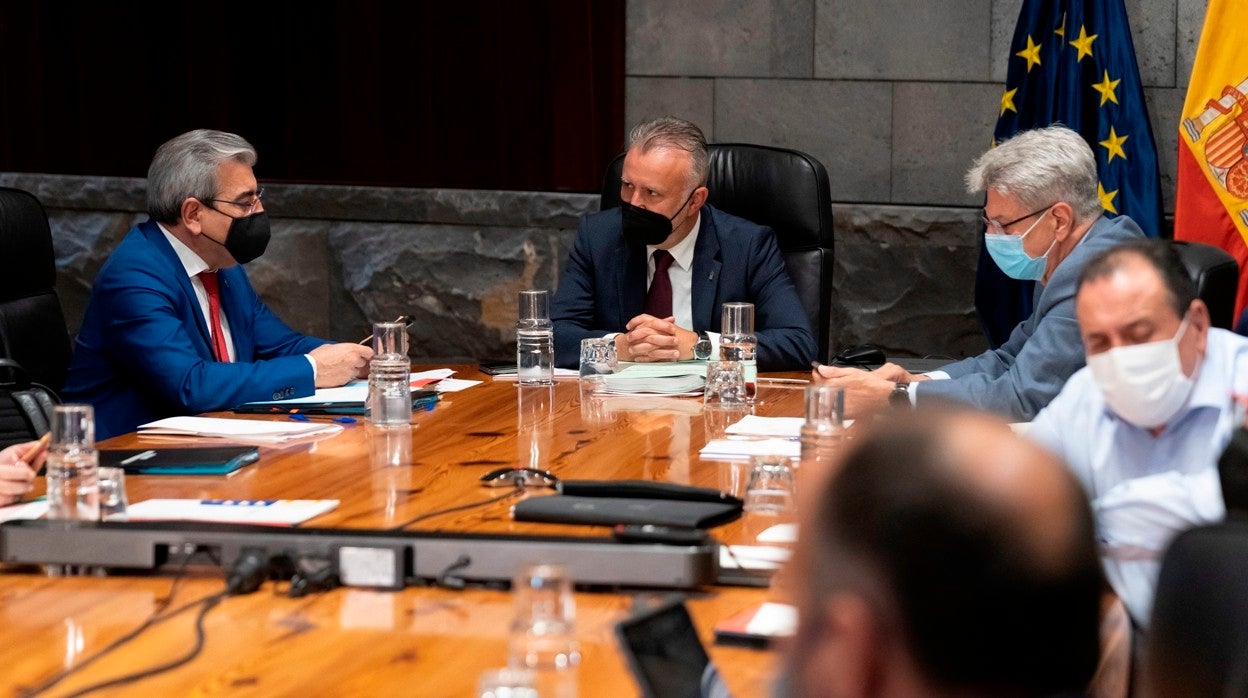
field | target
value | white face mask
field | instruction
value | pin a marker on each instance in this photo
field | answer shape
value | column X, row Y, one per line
column 1143, row 384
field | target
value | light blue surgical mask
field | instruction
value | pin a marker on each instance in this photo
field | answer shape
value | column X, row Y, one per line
column 1007, row 251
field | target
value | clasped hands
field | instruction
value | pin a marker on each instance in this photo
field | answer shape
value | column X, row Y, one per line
column 649, row 338
column 865, row 391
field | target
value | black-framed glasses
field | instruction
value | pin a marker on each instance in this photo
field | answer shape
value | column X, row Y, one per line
column 999, row 228
column 247, row 205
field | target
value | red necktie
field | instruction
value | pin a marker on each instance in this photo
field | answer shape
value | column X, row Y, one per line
column 659, row 297
column 219, row 349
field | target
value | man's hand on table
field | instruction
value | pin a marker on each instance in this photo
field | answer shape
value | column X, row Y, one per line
column 654, row 339
column 865, row 391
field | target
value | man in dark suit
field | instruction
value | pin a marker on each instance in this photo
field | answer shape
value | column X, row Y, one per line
column 173, row 326
column 657, row 269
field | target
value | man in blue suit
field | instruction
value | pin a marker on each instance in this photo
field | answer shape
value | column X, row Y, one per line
column 173, row 325
column 1043, row 221
column 655, row 271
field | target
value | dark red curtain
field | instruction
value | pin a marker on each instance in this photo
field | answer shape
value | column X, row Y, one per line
column 467, row 93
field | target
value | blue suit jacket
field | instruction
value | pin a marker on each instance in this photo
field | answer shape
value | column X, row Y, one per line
column 604, row 286
column 1028, row 371
column 143, row 352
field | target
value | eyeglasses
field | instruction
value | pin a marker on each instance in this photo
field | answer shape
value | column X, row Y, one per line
column 247, row 205
column 999, row 228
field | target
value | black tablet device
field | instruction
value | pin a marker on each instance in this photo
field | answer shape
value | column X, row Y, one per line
column 666, row 656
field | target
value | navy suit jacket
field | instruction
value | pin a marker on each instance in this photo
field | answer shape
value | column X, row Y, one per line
column 604, row 286
column 144, row 352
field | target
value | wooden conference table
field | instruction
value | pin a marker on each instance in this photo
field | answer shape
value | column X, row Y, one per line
column 420, row 641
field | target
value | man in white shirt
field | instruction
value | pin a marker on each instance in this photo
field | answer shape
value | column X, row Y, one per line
column 1143, row 424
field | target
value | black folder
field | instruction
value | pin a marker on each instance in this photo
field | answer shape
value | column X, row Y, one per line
column 609, row 511
column 215, row 460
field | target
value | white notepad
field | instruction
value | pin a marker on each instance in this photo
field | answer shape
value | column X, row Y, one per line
column 245, row 429
column 287, row 512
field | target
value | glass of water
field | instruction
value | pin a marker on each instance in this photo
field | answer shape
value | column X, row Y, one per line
column 535, row 340
column 598, row 360
column 73, row 465
column 113, row 501
column 771, row 488
column 725, row 383
column 543, row 637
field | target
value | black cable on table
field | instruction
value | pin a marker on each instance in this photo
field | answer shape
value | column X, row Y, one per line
column 209, row 603
column 462, row 507
column 155, row 617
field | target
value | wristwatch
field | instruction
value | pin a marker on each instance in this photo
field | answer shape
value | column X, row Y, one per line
column 702, row 348
column 900, row 396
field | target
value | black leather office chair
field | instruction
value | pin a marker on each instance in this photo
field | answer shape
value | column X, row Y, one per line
column 1197, row 642
column 32, row 326
column 1216, row 274
column 785, row 190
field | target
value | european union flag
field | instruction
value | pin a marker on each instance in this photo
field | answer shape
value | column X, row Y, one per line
column 1073, row 62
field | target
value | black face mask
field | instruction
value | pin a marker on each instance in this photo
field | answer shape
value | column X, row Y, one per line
column 644, row 227
column 248, row 237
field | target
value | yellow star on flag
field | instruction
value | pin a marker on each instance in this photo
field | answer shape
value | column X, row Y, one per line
column 1107, row 198
column 1084, row 43
column 1106, row 87
column 1114, row 145
column 1061, row 30
column 1007, row 102
column 1031, row 53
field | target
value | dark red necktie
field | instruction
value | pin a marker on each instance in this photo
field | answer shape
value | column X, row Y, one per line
column 219, row 349
column 659, row 297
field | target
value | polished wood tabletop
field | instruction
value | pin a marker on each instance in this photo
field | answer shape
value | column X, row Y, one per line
column 420, row 641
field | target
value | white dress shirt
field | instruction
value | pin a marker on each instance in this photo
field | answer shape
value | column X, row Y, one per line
column 194, row 264
column 680, row 273
column 1146, row 489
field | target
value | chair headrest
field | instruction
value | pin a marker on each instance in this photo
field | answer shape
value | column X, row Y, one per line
column 769, row 186
column 27, row 260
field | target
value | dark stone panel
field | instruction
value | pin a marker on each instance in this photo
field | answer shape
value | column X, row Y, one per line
column 905, row 280
column 458, row 282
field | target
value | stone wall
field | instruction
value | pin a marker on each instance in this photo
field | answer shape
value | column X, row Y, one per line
column 896, row 97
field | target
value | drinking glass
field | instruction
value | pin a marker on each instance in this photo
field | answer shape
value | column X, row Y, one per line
column 771, row 488
column 542, row 628
column 507, row 683
column 598, row 360
column 823, row 429
column 73, row 464
column 725, row 383
column 113, row 502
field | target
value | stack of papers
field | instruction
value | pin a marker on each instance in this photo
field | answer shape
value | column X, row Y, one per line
column 670, row 378
column 777, row 427
column 252, row 430
column 357, row 391
column 284, row 512
column 740, row 449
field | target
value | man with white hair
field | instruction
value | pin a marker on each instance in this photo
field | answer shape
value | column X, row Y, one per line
column 173, row 326
column 1043, row 220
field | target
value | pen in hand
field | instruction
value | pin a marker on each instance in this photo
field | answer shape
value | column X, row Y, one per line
column 35, row 451
column 405, row 319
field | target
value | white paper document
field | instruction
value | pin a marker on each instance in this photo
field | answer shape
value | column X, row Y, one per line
column 26, row 510
column 665, row 378
column 261, row 430
column 752, row 557
column 742, row 449
column 286, row 512
column 357, row 390
column 779, row 427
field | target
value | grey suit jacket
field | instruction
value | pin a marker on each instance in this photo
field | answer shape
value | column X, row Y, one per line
column 1024, row 374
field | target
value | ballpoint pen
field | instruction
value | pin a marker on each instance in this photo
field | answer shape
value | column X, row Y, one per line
column 405, row 319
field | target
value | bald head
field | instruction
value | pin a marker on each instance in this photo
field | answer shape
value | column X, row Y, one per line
column 971, row 549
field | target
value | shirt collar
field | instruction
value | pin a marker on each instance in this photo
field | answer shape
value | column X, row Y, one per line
column 682, row 252
column 191, row 262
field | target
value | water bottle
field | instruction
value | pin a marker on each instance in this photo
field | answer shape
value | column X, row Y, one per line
column 535, row 340
column 73, row 465
column 389, row 376
column 738, row 343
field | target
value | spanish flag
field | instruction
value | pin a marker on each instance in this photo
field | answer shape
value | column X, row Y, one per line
column 1211, row 203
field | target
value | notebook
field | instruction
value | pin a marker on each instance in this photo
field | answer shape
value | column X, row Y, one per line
column 180, row 461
